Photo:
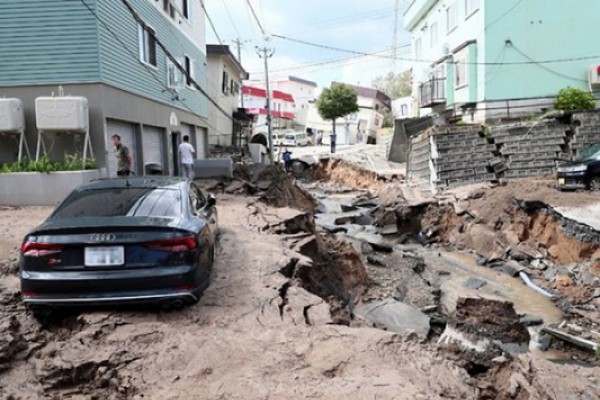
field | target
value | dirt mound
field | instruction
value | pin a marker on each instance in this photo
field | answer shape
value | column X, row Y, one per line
column 281, row 190
column 488, row 318
column 344, row 173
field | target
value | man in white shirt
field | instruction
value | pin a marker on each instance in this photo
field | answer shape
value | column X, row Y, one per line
column 186, row 153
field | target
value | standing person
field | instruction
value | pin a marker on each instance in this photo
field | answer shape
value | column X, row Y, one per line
column 124, row 159
column 319, row 138
column 287, row 159
column 186, row 152
column 332, row 138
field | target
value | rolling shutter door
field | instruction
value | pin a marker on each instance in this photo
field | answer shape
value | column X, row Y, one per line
column 152, row 141
column 126, row 131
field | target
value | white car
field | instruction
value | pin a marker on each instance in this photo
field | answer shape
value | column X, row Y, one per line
column 296, row 139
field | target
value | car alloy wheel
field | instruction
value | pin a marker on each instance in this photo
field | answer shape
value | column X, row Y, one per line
column 595, row 184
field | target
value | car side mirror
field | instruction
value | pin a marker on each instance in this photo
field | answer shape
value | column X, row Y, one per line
column 211, row 200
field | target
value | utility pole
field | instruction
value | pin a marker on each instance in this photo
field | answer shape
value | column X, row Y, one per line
column 265, row 53
column 239, row 43
column 395, row 39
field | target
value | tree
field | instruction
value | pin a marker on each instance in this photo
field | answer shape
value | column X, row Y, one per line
column 572, row 99
column 394, row 85
column 337, row 102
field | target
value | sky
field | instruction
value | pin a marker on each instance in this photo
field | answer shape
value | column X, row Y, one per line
column 365, row 26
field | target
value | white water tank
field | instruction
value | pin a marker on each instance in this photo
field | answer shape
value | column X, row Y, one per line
column 68, row 113
column 12, row 115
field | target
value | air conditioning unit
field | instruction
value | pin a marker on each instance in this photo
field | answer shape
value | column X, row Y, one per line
column 65, row 113
column 594, row 75
column 12, row 115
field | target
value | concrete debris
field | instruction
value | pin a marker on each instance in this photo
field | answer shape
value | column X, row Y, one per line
column 396, row 317
column 474, row 283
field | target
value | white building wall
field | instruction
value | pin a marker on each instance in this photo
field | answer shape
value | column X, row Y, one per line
column 194, row 27
column 468, row 27
column 221, row 126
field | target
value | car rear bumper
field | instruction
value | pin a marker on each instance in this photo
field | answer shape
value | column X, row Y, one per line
column 140, row 297
column 111, row 287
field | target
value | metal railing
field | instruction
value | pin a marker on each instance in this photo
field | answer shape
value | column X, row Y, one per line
column 432, row 92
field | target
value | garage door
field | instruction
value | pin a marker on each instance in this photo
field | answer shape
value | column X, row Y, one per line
column 201, row 143
column 189, row 130
column 152, row 142
column 127, row 133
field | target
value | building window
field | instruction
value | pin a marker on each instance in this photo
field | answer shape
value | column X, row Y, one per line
column 471, row 6
column 460, row 67
column 147, row 44
column 451, row 17
column 169, row 8
column 174, row 76
column 418, row 49
column 235, row 88
column 433, row 32
column 188, row 65
column 187, row 10
column 225, row 83
column 404, row 110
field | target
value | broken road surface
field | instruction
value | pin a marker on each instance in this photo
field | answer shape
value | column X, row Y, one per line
column 254, row 335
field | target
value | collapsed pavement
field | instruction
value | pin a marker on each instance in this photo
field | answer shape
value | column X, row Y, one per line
column 296, row 318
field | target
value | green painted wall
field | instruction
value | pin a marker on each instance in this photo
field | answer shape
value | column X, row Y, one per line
column 124, row 70
column 60, row 42
column 541, row 30
column 46, row 42
column 449, row 83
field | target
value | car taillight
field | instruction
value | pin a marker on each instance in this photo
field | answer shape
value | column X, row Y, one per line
column 173, row 245
column 34, row 249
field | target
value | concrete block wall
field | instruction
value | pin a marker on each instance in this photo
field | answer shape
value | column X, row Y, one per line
column 419, row 160
column 448, row 156
column 463, row 155
column 529, row 149
column 586, row 131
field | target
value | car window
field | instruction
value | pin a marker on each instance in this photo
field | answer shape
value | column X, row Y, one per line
column 290, row 137
column 591, row 153
column 121, row 202
column 197, row 197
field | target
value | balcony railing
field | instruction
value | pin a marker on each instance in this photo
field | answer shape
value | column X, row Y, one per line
column 432, row 93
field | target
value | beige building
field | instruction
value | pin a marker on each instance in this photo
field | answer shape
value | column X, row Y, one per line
column 302, row 91
column 359, row 127
column 224, row 76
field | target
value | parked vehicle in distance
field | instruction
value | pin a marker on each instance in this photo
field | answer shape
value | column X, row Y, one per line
column 277, row 138
column 296, row 139
column 583, row 173
column 114, row 241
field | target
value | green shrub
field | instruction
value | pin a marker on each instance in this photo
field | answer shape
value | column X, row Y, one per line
column 571, row 99
column 73, row 162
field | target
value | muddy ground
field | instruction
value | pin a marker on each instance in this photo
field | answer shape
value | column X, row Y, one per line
column 259, row 332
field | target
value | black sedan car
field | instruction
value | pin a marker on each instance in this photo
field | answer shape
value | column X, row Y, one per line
column 583, row 173
column 134, row 240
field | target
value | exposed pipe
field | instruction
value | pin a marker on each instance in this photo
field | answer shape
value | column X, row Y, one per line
column 533, row 286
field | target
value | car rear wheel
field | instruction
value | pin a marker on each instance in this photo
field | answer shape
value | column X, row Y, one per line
column 595, row 184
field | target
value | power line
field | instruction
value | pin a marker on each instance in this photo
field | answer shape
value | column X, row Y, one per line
column 210, row 21
column 332, row 61
column 339, row 49
column 231, row 18
column 262, row 29
column 545, row 68
column 351, row 17
column 176, row 63
column 150, row 70
column 503, row 15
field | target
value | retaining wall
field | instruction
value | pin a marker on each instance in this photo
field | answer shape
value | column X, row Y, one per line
column 40, row 188
column 448, row 156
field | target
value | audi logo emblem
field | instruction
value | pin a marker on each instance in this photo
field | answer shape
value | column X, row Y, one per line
column 102, row 237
